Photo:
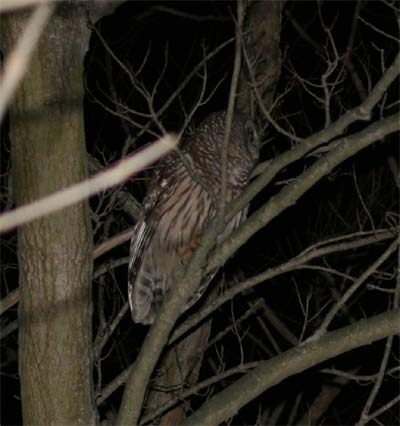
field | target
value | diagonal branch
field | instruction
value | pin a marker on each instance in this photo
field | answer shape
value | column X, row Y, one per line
column 313, row 252
column 229, row 114
column 289, row 266
column 13, row 297
column 289, row 195
column 227, row 403
column 350, row 291
column 170, row 311
column 114, row 175
column 362, row 112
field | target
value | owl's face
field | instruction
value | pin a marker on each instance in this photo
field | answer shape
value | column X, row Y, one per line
column 243, row 148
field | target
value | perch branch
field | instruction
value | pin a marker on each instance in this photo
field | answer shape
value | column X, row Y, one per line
column 269, row 373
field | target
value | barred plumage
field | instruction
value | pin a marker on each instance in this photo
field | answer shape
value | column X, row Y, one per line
column 178, row 205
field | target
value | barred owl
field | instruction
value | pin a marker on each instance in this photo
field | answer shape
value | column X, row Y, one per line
column 178, row 206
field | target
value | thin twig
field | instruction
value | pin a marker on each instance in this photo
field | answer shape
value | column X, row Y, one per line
column 270, row 373
column 317, row 250
column 13, row 297
column 350, row 291
column 382, row 409
column 229, row 114
column 358, row 377
column 361, row 112
column 114, row 175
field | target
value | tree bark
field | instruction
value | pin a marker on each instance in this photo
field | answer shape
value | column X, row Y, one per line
column 180, row 367
column 54, row 253
column 226, row 403
column 261, row 36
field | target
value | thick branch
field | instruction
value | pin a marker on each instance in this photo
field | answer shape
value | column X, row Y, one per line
column 362, row 112
column 297, row 262
column 157, row 338
column 227, row 403
column 313, row 252
column 288, row 196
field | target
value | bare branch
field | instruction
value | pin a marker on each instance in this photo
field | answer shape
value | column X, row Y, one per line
column 13, row 297
column 290, row 194
column 229, row 114
column 382, row 409
column 114, row 175
column 362, row 112
column 112, row 242
column 113, row 386
column 291, row 265
column 378, row 30
column 350, row 291
column 8, row 301
column 181, row 14
column 321, row 403
column 272, row 372
column 240, row 369
column 357, row 377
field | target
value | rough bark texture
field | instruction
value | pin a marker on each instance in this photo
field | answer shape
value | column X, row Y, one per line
column 179, row 369
column 54, row 253
column 181, row 365
column 261, row 31
column 269, row 373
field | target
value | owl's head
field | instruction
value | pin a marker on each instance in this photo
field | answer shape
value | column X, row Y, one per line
column 244, row 141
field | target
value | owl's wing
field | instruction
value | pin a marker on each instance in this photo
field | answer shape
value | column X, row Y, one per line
column 205, row 281
column 142, row 232
column 163, row 242
column 140, row 296
column 140, row 292
column 165, row 238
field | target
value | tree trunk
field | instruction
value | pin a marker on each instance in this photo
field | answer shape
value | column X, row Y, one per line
column 179, row 369
column 262, row 29
column 54, row 253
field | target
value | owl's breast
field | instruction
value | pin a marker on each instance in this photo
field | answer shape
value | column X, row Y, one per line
column 183, row 213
